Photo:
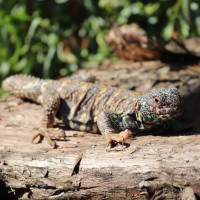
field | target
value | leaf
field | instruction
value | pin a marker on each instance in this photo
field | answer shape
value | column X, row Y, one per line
column 168, row 30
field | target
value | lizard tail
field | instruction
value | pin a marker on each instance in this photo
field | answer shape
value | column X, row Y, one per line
column 23, row 86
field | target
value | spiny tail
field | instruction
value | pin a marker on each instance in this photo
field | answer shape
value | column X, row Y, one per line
column 23, row 86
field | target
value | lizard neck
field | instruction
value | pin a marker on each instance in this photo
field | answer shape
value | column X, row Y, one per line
column 143, row 124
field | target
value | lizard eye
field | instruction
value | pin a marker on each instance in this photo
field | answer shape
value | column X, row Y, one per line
column 156, row 100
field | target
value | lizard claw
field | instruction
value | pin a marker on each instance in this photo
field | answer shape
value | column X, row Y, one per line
column 50, row 135
column 113, row 144
column 117, row 138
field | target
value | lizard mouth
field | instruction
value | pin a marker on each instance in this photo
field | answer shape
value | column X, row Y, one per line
column 171, row 111
column 163, row 114
column 168, row 113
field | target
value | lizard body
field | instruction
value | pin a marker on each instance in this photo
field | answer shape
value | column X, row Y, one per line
column 83, row 105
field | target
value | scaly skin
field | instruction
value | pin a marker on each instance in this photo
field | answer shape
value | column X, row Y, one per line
column 85, row 106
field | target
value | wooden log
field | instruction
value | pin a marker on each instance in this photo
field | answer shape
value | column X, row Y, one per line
column 152, row 167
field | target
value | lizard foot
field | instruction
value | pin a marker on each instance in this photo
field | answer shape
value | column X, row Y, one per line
column 114, row 139
column 50, row 134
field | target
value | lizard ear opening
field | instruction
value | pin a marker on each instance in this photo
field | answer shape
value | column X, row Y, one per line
column 172, row 105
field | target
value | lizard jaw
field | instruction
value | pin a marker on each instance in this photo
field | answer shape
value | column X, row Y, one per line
column 169, row 113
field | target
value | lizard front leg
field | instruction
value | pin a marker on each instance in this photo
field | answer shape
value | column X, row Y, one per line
column 51, row 104
column 111, row 125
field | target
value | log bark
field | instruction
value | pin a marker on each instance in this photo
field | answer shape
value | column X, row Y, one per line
column 151, row 167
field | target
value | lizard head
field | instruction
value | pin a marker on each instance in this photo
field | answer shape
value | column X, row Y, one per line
column 160, row 105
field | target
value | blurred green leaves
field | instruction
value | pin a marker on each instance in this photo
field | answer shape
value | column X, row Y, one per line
column 52, row 38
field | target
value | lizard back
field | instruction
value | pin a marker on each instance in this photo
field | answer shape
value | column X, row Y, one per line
column 83, row 101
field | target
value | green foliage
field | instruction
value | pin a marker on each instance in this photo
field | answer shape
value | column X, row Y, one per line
column 52, row 38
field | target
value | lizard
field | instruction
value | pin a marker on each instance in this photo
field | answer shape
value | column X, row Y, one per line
column 86, row 106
